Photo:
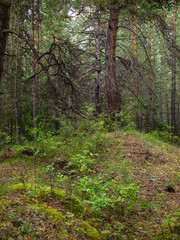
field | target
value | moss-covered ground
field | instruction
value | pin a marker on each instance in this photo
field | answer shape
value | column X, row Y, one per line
column 40, row 196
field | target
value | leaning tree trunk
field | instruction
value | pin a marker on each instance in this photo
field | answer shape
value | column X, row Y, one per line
column 113, row 96
column 4, row 24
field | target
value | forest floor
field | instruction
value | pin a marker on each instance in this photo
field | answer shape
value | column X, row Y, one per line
column 155, row 166
column 28, row 211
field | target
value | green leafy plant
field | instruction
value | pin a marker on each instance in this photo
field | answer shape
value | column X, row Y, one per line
column 104, row 192
column 25, row 227
column 82, row 163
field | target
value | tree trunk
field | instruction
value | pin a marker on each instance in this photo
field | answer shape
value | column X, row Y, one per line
column 167, row 105
column 36, row 83
column 173, row 89
column 34, row 88
column 135, row 80
column 150, row 100
column 113, row 96
column 4, row 24
column 167, row 97
column 178, row 111
column 16, row 82
column 98, row 63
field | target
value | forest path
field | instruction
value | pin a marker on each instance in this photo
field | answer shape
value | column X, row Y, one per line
column 155, row 166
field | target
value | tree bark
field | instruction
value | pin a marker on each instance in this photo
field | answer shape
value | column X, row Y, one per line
column 98, row 64
column 178, row 111
column 35, row 86
column 167, row 95
column 113, row 96
column 150, row 100
column 4, row 24
column 16, row 109
column 173, row 88
column 135, row 80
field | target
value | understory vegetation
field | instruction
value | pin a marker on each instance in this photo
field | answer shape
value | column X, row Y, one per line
column 89, row 120
column 90, row 183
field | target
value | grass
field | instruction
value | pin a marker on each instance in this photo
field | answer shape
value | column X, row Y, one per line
column 119, row 179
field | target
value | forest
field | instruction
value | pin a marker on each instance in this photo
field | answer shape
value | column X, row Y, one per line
column 89, row 119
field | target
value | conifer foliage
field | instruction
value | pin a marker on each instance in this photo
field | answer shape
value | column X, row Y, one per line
column 72, row 59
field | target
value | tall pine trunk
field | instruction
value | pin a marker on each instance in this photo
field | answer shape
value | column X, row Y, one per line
column 150, row 100
column 173, row 88
column 135, row 80
column 98, row 63
column 113, row 96
column 16, row 81
column 35, row 86
column 167, row 94
column 4, row 24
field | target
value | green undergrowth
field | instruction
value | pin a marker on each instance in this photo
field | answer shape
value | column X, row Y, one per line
column 170, row 228
column 81, row 185
column 154, row 139
column 50, row 147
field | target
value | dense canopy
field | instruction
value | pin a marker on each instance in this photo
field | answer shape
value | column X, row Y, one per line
column 84, row 59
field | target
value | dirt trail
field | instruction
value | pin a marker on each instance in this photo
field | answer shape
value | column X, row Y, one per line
column 157, row 170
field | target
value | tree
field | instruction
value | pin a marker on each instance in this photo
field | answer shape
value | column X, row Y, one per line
column 35, row 23
column 113, row 96
column 4, row 24
column 83, row 47
column 173, row 89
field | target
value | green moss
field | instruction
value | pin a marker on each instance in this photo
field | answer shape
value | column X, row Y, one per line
column 172, row 232
column 59, row 194
column 49, row 212
column 89, row 231
column 167, row 236
column 73, row 204
column 44, row 191
column 70, row 202
column 21, row 186
column 4, row 202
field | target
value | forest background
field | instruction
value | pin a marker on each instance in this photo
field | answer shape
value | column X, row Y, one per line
column 71, row 60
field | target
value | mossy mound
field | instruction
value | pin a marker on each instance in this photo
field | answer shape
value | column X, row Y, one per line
column 169, row 232
column 89, row 231
column 70, row 202
column 21, row 186
column 73, row 204
column 49, row 212
column 4, row 202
